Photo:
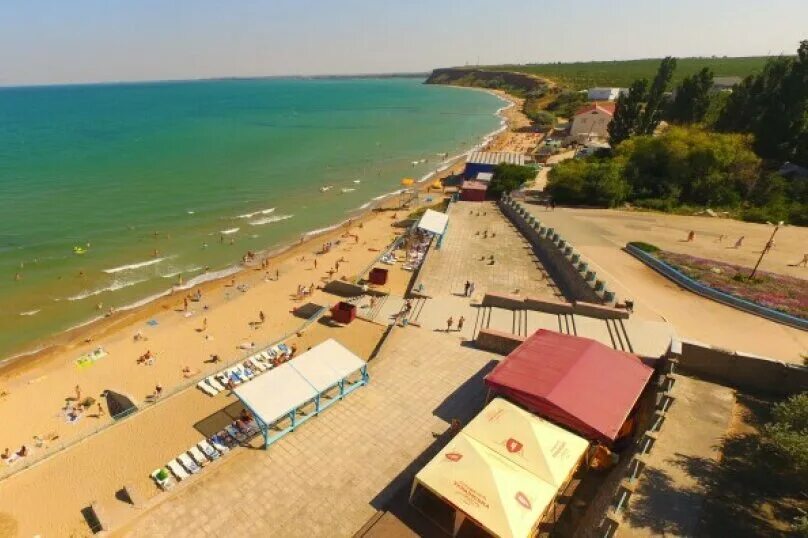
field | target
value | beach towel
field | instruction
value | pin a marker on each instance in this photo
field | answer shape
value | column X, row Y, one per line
column 152, row 323
column 88, row 359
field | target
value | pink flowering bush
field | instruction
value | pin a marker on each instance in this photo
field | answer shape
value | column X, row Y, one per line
column 778, row 292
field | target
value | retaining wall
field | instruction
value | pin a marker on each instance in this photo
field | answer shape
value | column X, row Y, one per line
column 706, row 291
column 497, row 341
column 565, row 266
column 742, row 370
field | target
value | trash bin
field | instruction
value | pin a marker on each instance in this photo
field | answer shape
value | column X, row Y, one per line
column 343, row 312
column 378, row 276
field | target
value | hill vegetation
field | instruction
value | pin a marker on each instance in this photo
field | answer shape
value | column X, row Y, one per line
column 583, row 75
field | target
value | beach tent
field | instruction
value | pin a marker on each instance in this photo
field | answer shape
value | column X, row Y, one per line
column 502, row 472
column 295, row 391
column 576, row 382
column 119, row 406
column 433, row 222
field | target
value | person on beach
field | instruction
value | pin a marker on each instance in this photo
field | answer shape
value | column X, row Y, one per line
column 78, row 393
column 100, row 412
column 204, row 324
column 185, row 304
column 23, row 451
column 449, row 323
column 261, row 316
column 466, row 289
column 739, row 242
column 158, row 391
column 5, row 455
column 691, row 235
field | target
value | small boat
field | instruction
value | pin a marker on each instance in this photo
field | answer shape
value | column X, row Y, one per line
column 79, row 250
column 357, row 181
column 326, row 188
column 347, row 190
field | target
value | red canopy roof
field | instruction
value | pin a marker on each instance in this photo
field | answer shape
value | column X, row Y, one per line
column 608, row 108
column 577, row 382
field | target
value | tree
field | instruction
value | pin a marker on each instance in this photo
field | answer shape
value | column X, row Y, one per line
column 692, row 98
column 627, row 112
column 652, row 113
column 566, row 103
column 509, row 177
column 787, row 433
column 593, row 182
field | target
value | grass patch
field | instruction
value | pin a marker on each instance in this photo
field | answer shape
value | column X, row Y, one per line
column 645, row 247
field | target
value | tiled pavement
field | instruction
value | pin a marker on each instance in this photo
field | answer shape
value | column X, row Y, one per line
column 515, row 267
column 330, row 476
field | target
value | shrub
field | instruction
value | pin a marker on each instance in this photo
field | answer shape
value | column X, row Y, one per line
column 592, row 181
column 509, row 177
column 645, row 247
column 787, row 433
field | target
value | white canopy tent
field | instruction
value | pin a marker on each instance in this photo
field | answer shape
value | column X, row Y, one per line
column 503, row 471
column 433, row 222
column 284, row 391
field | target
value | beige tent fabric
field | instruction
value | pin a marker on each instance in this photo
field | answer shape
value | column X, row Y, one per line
column 504, row 468
column 497, row 493
column 546, row 450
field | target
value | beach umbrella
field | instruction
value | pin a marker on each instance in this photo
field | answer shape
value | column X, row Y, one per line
column 437, row 184
column 407, row 182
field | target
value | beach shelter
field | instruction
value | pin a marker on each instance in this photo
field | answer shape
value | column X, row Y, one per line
column 290, row 394
column 433, row 222
column 576, row 382
column 501, row 473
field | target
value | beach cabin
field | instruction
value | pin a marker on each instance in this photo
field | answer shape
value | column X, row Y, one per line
column 473, row 191
column 501, row 475
column 576, row 382
column 604, row 94
column 486, row 161
column 592, row 122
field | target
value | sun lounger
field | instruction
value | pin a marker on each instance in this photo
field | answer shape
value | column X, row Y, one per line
column 163, row 478
column 208, row 450
column 247, row 372
column 234, row 376
column 213, row 382
column 177, row 469
column 223, row 438
column 198, row 456
column 235, row 434
column 188, row 463
column 268, row 355
column 258, row 364
column 284, row 349
column 207, row 389
column 219, row 444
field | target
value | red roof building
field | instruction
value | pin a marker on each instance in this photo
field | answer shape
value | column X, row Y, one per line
column 473, row 191
column 576, row 382
column 608, row 108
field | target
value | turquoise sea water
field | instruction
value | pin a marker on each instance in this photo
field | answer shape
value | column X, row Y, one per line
column 110, row 165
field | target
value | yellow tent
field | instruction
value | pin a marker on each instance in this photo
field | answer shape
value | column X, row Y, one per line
column 503, row 471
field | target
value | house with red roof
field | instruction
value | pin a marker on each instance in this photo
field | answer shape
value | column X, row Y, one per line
column 591, row 122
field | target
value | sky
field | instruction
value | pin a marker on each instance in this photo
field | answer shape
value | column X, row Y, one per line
column 73, row 41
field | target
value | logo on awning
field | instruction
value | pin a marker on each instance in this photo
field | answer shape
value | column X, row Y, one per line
column 513, row 445
column 454, row 456
column 522, row 499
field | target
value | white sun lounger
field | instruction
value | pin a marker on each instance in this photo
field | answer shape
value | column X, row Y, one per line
column 209, row 451
column 177, row 469
column 207, row 389
column 258, row 364
column 188, row 463
column 245, row 372
column 198, row 456
column 237, row 378
column 267, row 355
column 164, row 483
column 213, row 382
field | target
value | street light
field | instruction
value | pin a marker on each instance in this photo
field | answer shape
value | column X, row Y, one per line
column 766, row 249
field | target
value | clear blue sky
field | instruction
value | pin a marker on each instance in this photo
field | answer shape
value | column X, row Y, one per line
column 57, row 41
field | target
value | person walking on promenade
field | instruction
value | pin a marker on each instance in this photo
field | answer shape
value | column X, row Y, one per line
column 449, row 323
column 466, row 289
column 691, row 235
column 801, row 263
column 739, row 242
column 460, row 323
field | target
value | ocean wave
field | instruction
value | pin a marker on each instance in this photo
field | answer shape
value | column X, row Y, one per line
column 326, row 229
column 254, row 213
column 229, row 231
column 132, row 266
column 177, row 273
column 115, row 286
column 31, row 312
column 207, row 277
column 270, row 220
column 364, row 206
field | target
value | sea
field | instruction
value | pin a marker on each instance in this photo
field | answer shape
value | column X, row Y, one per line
column 112, row 193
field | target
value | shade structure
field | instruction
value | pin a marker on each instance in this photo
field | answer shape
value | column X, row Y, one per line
column 546, row 450
column 317, row 378
column 576, row 382
column 433, row 222
column 503, row 470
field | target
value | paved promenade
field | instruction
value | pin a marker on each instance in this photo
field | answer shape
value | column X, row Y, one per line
column 465, row 255
column 599, row 236
column 329, row 477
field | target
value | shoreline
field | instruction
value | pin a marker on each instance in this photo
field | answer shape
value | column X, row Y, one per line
column 92, row 329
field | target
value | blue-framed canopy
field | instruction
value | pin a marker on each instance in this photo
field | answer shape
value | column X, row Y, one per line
column 297, row 390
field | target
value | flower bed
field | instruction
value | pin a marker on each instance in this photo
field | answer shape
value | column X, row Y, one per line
column 778, row 292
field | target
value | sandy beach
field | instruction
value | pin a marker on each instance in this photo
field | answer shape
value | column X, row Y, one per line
column 180, row 341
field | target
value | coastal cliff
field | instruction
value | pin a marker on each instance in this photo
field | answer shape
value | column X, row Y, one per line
column 515, row 83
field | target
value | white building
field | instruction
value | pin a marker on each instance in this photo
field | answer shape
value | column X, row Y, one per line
column 604, row 94
column 591, row 122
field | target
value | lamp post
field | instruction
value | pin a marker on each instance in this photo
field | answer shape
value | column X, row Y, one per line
column 766, row 249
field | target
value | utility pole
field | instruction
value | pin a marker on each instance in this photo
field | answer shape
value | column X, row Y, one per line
column 766, row 249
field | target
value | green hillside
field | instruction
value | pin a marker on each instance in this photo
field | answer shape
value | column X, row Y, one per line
column 583, row 75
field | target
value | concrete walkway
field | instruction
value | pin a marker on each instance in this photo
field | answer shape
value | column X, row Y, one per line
column 333, row 474
column 675, row 483
column 599, row 236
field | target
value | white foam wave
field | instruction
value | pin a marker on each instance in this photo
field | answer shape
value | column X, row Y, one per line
column 270, row 220
column 326, row 229
column 115, row 286
column 229, row 231
column 207, row 277
column 177, row 273
column 132, row 266
column 31, row 312
column 254, row 213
